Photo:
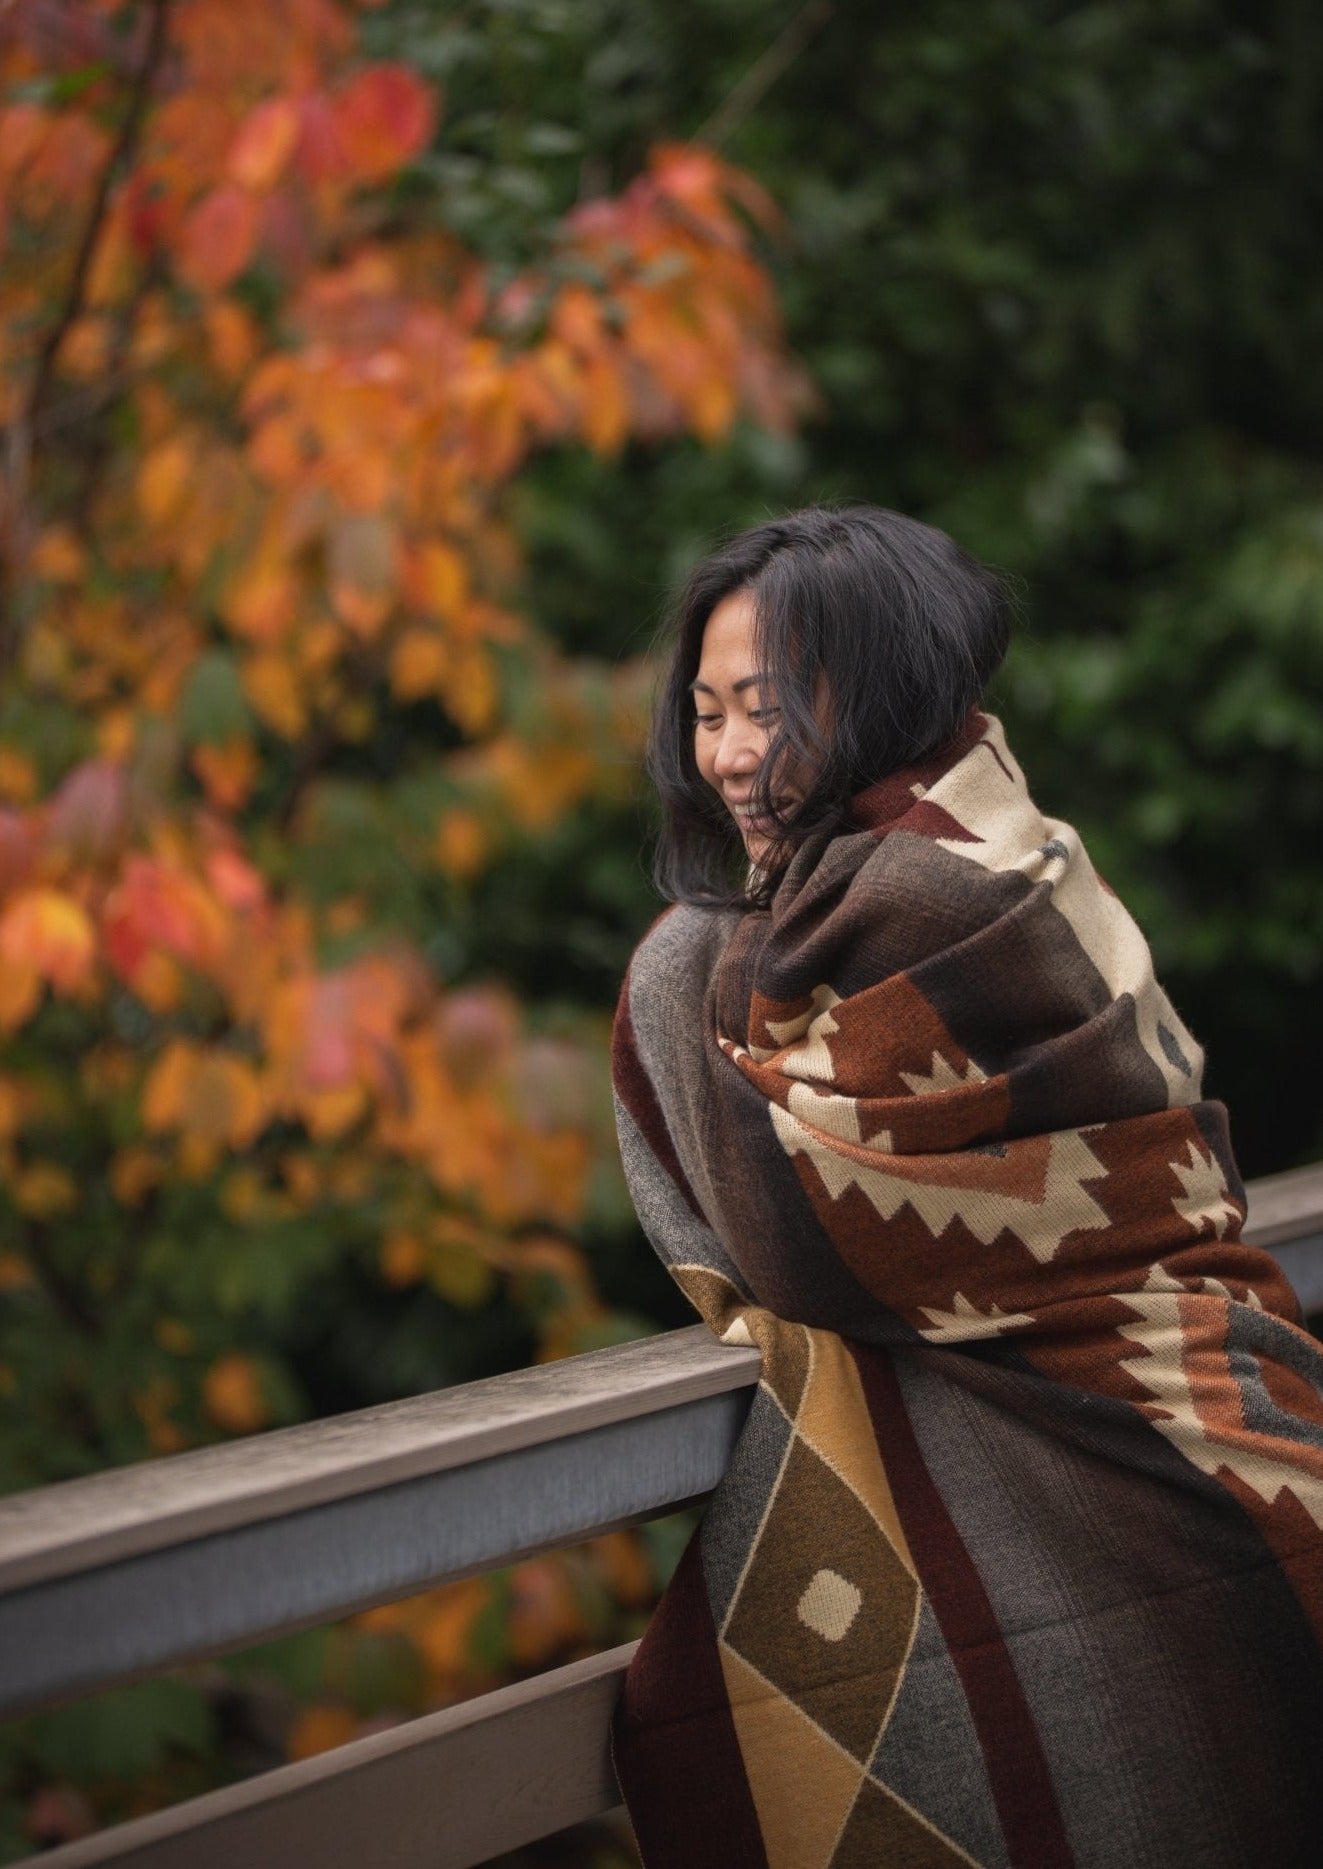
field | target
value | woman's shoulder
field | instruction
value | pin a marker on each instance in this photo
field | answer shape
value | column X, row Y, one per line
column 681, row 947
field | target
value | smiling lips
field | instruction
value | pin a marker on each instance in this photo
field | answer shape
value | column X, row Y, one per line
column 749, row 820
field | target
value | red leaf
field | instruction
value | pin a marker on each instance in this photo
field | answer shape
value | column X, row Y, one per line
column 217, row 239
column 385, row 117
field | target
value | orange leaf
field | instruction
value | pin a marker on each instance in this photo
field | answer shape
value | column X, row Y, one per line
column 320, row 1729
column 402, row 1259
column 44, row 1190
column 18, row 776
column 214, row 1096
column 46, row 930
column 363, row 568
column 443, row 1638
column 276, row 693
column 165, row 1089
column 59, row 555
column 227, row 772
column 472, row 694
column 261, row 601
column 329, row 1113
column 163, row 480
column 606, row 410
column 20, row 994
column 461, row 844
column 418, row 664
column 264, row 144
column 384, row 118
column 232, row 336
column 235, row 880
column 232, row 1395
column 217, row 238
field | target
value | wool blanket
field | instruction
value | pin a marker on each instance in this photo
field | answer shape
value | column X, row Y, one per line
column 1018, row 1557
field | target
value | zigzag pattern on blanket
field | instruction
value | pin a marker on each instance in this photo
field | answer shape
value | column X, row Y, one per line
column 1033, row 1479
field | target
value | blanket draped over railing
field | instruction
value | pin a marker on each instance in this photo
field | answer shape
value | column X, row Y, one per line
column 1018, row 1559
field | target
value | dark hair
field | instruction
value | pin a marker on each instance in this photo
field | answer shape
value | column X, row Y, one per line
column 905, row 629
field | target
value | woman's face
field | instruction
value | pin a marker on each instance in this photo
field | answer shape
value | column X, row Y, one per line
column 735, row 717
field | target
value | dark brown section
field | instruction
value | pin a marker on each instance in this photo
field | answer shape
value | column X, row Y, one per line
column 1017, row 1770
column 882, row 1834
column 673, row 1741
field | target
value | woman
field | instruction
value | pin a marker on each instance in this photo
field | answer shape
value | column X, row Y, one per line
column 1018, row 1559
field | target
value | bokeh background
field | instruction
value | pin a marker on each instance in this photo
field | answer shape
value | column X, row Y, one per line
column 369, row 373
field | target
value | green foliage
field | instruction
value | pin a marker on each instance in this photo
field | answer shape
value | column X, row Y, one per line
column 1053, row 270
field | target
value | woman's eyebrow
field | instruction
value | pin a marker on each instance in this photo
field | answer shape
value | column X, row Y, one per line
column 737, row 687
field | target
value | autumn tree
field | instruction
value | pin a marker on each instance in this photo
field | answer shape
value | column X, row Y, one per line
column 275, row 697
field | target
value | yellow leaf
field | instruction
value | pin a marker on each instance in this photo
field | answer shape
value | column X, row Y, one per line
column 472, row 695
column 459, row 1272
column 329, row 1113
column 442, row 579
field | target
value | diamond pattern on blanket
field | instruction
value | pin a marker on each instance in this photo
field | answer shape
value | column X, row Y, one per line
column 883, row 1830
column 816, row 1523
column 802, row 1782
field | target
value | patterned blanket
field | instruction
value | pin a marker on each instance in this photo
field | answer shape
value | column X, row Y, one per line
column 1018, row 1559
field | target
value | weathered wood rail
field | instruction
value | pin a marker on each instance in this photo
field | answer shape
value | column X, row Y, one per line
column 105, row 1579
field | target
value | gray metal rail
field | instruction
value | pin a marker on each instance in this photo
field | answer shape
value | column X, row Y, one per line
column 106, row 1578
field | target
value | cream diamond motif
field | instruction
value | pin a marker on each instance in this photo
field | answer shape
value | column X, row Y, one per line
column 829, row 1605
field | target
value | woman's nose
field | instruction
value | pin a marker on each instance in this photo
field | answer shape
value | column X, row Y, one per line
column 739, row 751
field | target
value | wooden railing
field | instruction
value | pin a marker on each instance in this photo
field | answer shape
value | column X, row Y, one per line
column 105, row 1579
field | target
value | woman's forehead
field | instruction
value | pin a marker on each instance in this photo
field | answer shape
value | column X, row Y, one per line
column 727, row 656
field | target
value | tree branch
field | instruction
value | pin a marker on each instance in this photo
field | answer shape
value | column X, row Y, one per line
column 120, row 157
column 16, row 529
column 758, row 80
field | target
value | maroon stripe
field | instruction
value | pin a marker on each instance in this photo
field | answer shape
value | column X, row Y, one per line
column 634, row 1088
column 673, row 1741
column 1017, row 1768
